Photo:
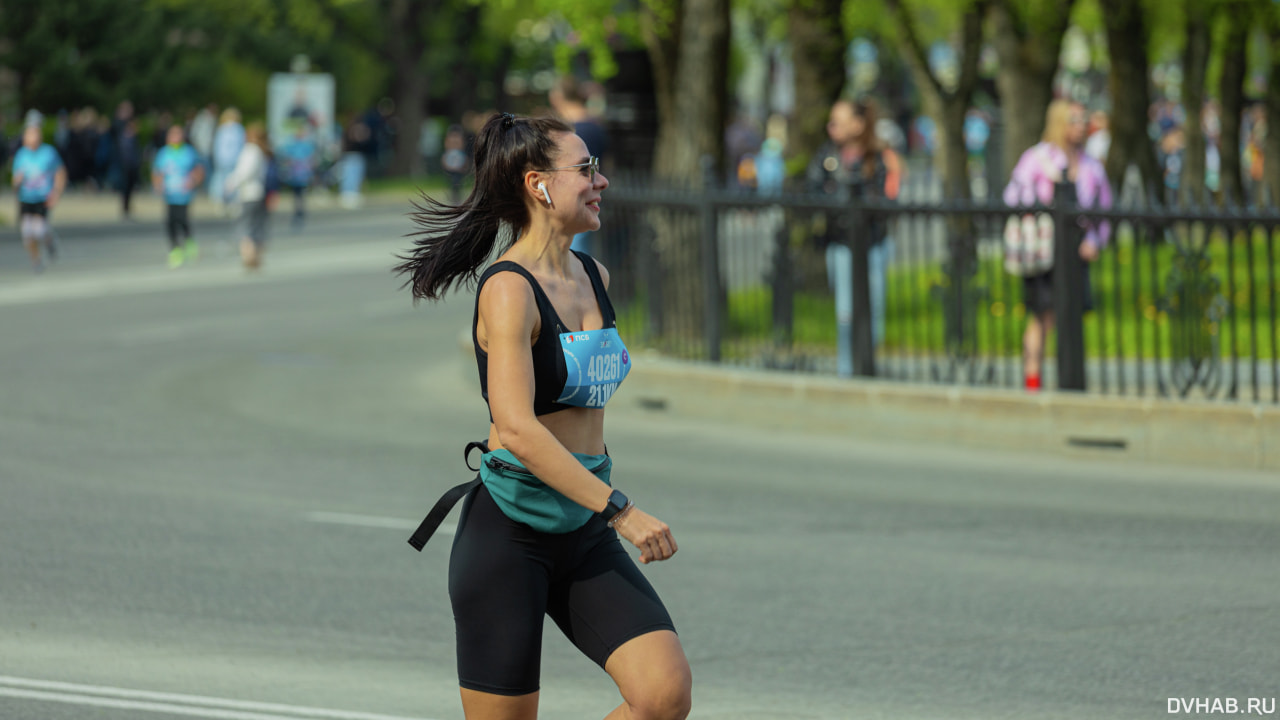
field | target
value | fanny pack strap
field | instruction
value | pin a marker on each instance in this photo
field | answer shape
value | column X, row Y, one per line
column 446, row 502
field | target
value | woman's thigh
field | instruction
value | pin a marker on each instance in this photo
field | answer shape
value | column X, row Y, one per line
column 498, row 589
column 604, row 600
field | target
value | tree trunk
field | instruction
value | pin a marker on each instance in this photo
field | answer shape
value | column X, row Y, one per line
column 1028, row 64
column 1130, row 93
column 692, row 117
column 691, row 66
column 952, row 152
column 1194, row 64
column 663, row 43
column 1271, row 160
column 463, row 91
column 1232, row 89
column 818, row 43
column 410, row 94
column 405, row 49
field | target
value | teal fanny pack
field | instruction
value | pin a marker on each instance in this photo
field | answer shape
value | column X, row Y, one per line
column 524, row 498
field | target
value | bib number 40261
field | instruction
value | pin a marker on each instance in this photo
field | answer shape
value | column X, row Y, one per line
column 604, row 368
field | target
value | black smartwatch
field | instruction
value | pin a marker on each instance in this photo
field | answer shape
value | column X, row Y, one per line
column 617, row 503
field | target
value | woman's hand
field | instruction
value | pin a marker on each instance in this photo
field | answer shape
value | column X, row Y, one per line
column 648, row 533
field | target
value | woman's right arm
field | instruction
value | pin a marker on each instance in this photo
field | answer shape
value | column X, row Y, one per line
column 508, row 313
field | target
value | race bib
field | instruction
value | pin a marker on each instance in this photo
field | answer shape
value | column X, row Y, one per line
column 596, row 362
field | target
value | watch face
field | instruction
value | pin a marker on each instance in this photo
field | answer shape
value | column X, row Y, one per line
column 617, row 501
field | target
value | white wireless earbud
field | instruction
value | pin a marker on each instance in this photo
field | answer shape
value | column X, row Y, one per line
column 543, row 188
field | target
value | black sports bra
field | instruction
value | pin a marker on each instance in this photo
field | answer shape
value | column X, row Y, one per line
column 598, row 358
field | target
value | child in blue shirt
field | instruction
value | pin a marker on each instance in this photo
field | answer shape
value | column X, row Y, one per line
column 39, row 176
column 176, row 173
column 297, row 158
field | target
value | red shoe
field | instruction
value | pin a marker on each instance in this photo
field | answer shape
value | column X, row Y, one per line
column 1033, row 383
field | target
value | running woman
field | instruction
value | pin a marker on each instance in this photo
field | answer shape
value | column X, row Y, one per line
column 40, row 177
column 539, row 530
column 176, row 173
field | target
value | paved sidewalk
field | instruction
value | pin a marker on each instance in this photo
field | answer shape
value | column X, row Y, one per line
column 81, row 207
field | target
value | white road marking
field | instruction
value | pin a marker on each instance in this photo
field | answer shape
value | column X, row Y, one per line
column 373, row 521
column 171, row 703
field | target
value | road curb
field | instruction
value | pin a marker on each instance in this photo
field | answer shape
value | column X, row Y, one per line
column 1182, row 432
column 1185, row 432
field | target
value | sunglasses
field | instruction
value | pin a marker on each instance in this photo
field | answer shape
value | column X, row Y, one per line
column 589, row 168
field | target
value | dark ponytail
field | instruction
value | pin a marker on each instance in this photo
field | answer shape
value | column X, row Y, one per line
column 452, row 241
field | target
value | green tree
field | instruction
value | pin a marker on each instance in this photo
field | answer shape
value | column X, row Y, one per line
column 816, row 33
column 395, row 32
column 1234, row 18
column 1027, row 37
column 1195, row 62
column 1126, row 23
column 1270, row 22
column 94, row 52
column 945, row 100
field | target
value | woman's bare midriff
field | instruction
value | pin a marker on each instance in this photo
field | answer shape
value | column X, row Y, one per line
column 580, row 430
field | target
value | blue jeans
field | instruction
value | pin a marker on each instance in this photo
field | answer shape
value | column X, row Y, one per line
column 840, row 279
column 353, row 167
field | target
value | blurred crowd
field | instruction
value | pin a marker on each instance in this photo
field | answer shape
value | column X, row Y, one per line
column 114, row 151
column 755, row 149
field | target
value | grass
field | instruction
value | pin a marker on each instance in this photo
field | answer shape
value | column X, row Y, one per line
column 432, row 185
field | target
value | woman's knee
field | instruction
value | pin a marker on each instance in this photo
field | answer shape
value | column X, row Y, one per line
column 661, row 692
column 668, row 697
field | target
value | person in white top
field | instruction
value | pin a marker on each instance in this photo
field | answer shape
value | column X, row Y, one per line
column 246, row 186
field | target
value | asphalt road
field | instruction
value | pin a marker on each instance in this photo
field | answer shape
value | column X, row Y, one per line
column 207, row 480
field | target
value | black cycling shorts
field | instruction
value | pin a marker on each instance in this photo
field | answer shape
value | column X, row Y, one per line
column 504, row 576
column 36, row 208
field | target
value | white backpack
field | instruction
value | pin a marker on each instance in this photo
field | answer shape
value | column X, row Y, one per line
column 1028, row 236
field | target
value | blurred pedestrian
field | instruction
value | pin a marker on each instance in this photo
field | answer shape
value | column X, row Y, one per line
column 203, row 127
column 297, row 157
column 855, row 164
column 228, row 140
column 246, row 185
column 1059, row 157
column 127, row 155
column 176, row 173
column 104, row 172
column 770, row 167
column 356, row 141
column 455, row 161
column 538, row 534
column 742, row 140
column 1171, row 155
column 39, row 176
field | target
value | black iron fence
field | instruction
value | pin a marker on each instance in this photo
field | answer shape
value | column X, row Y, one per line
column 1180, row 303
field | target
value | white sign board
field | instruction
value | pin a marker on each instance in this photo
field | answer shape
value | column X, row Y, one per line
column 301, row 99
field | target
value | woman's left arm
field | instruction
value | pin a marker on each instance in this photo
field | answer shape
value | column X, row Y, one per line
column 893, row 174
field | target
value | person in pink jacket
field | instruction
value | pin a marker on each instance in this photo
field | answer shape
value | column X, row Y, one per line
column 1058, row 156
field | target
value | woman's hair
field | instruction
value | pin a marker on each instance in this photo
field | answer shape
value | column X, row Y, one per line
column 865, row 110
column 256, row 133
column 1056, row 121
column 453, row 241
